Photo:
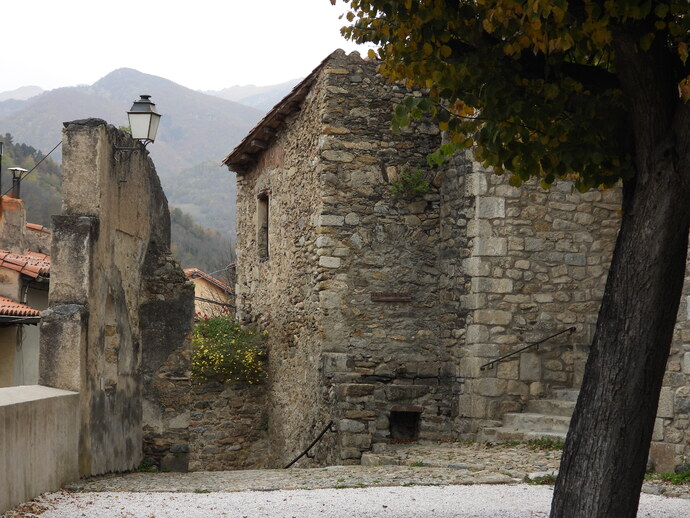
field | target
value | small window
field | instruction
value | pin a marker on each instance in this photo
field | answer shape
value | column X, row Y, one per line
column 262, row 225
column 404, row 426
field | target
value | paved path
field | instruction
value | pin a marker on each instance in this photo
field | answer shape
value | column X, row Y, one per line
column 446, row 466
column 401, row 465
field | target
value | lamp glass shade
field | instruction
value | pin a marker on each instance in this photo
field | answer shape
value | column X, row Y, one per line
column 143, row 119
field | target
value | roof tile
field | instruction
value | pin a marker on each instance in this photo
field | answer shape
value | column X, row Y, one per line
column 33, row 264
column 195, row 272
column 9, row 307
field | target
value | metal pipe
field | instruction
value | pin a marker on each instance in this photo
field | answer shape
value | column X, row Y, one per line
column 313, row 443
column 491, row 364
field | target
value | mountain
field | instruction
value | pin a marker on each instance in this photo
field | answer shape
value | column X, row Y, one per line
column 260, row 97
column 195, row 127
column 206, row 192
column 21, row 94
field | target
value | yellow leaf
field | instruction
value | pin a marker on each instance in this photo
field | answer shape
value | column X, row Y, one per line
column 446, row 51
column 371, row 53
column 427, row 49
column 684, row 89
column 443, row 126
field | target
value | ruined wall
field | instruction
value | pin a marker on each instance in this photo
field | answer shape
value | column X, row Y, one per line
column 110, row 246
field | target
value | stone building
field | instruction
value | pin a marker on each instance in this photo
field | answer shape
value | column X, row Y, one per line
column 385, row 314
column 24, row 278
column 211, row 296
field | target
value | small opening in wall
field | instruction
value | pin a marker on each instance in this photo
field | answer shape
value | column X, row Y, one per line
column 262, row 225
column 404, row 426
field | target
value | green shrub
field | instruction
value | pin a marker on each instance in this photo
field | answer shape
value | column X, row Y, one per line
column 410, row 185
column 224, row 351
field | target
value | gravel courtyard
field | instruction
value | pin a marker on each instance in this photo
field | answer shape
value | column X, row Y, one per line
column 461, row 480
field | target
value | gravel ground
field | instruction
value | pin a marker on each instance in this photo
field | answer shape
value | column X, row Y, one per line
column 477, row 501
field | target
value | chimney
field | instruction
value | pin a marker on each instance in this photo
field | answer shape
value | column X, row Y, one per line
column 17, row 173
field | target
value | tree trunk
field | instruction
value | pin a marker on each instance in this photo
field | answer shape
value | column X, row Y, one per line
column 605, row 455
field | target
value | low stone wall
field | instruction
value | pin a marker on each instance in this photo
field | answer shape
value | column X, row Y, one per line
column 228, row 427
column 39, row 442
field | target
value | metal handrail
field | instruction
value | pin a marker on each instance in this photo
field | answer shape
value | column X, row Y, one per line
column 490, row 365
column 329, row 426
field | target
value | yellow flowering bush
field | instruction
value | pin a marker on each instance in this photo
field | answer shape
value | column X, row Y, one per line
column 223, row 351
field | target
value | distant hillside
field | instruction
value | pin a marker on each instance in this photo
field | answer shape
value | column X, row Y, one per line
column 21, row 94
column 192, row 245
column 197, row 130
column 207, row 192
column 198, row 247
column 260, row 97
column 42, row 189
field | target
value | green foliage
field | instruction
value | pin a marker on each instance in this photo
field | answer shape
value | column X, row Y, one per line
column 682, row 478
column 545, row 444
column 546, row 480
column 223, row 351
column 206, row 192
column 531, row 84
column 146, row 467
column 42, row 189
column 198, row 247
column 410, row 185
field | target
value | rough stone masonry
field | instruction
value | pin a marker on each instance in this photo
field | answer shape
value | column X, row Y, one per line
column 381, row 311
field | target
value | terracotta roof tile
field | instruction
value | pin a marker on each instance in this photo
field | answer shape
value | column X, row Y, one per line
column 39, row 228
column 10, row 308
column 33, row 264
column 195, row 272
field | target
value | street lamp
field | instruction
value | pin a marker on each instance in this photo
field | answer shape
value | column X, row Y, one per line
column 143, row 122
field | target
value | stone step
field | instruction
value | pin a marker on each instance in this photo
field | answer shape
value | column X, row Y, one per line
column 551, row 406
column 565, row 394
column 532, row 422
column 503, row 434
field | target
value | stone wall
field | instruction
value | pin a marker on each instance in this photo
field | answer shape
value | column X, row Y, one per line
column 13, row 225
column 538, row 262
column 39, row 442
column 279, row 291
column 379, row 308
column 354, row 336
column 228, row 427
column 110, row 249
column 671, row 438
column 386, row 358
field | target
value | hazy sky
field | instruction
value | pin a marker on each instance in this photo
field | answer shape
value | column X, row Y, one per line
column 200, row 44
